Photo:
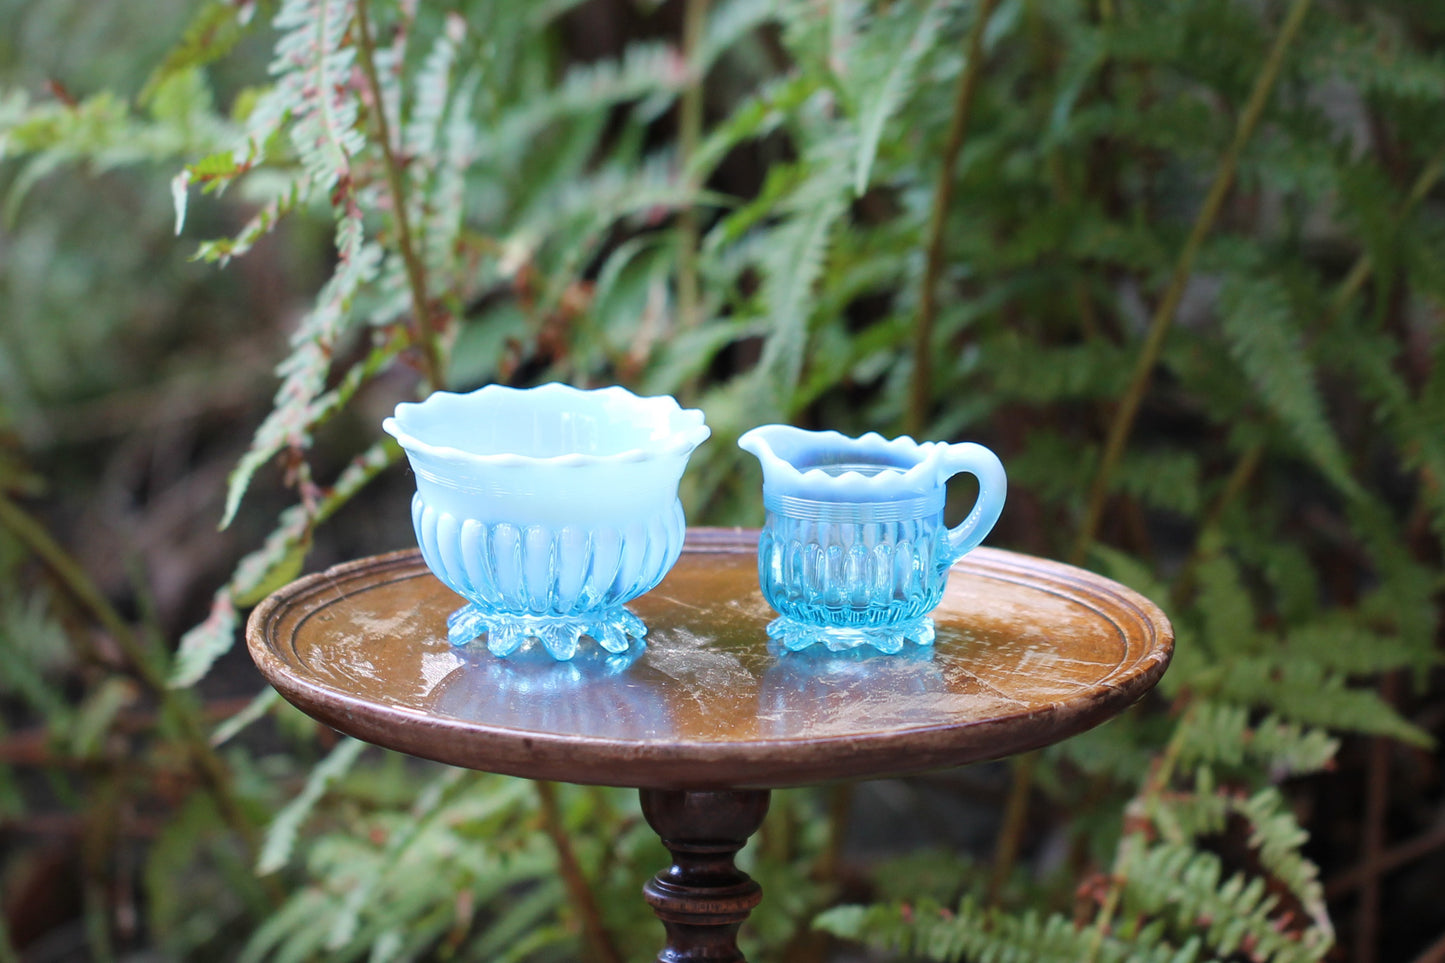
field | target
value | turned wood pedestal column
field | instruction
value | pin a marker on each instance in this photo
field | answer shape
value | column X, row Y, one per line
column 706, row 718
column 702, row 898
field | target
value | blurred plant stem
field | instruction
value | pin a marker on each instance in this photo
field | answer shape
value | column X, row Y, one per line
column 1123, row 422
column 1364, row 265
column 689, row 133
column 1122, row 425
column 579, row 891
column 921, row 391
column 8, row 953
column 424, row 331
column 1157, row 783
column 1249, row 459
column 73, row 580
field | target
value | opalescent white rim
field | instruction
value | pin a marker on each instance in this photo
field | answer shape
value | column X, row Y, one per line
column 679, row 443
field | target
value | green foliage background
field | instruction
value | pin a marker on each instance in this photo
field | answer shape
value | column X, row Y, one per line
column 1180, row 264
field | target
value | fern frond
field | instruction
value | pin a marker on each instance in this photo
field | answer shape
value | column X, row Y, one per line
column 1095, row 239
column 295, row 194
column 834, row 359
column 1374, row 60
column 1216, row 733
column 782, row 181
column 1122, row 750
column 1165, row 478
column 315, row 93
column 409, row 840
column 880, row 73
column 431, row 93
column 1221, row 733
column 1188, row 888
column 1277, row 838
column 33, row 641
column 524, row 930
column 255, row 710
column 974, row 933
column 206, row 642
column 444, row 217
column 1177, row 123
column 100, row 129
column 1227, row 612
column 793, row 253
column 1291, row 577
column 928, row 874
column 1258, row 319
column 313, row 99
column 1304, row 692
column 1040, row 375
column 644, row 69
column 398, row 872
column 688, row 354
column 298, row 404
column 757, row 116
column 213, row 32
column 1344, row 643
column 1417, row 424
column 728, row 23
column 276, row 562
column 1289, row 749
column 294, row 915
column 104, row 133
column 1125, row 568
column 789, row 290
column 563, row 230
column 281, row 836
column 1182, row 818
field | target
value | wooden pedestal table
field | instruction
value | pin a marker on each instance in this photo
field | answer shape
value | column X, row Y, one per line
column 706, row 719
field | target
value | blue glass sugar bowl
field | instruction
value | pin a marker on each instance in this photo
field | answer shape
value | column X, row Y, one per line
column 547, row 508
column 854, row 550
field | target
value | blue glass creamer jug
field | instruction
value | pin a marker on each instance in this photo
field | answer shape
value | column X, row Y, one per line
column 854, row 550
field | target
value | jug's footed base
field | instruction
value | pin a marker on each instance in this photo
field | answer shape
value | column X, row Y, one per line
column 888, row 639
column 614, row 630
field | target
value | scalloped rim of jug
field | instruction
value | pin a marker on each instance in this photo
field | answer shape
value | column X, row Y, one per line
column 782, row 475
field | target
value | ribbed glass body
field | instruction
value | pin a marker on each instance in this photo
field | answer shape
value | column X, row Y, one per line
column 853, row 565
column 543, row 569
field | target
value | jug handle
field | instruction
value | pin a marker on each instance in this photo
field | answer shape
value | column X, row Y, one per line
column 992, row 487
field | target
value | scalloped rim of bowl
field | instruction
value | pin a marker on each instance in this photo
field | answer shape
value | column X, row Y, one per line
column 680, row 442
column 815, row 482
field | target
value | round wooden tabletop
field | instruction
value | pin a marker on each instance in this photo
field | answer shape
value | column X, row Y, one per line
column 1027, row 652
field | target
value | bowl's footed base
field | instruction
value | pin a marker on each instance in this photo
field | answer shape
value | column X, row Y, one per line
column 613, row 629
column 889, row 639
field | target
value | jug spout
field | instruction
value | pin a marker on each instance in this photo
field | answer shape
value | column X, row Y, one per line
column 786, row 453
column 755, row 441
column 764, row 443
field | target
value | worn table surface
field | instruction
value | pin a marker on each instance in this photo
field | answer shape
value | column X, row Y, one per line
column 1028, row 652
